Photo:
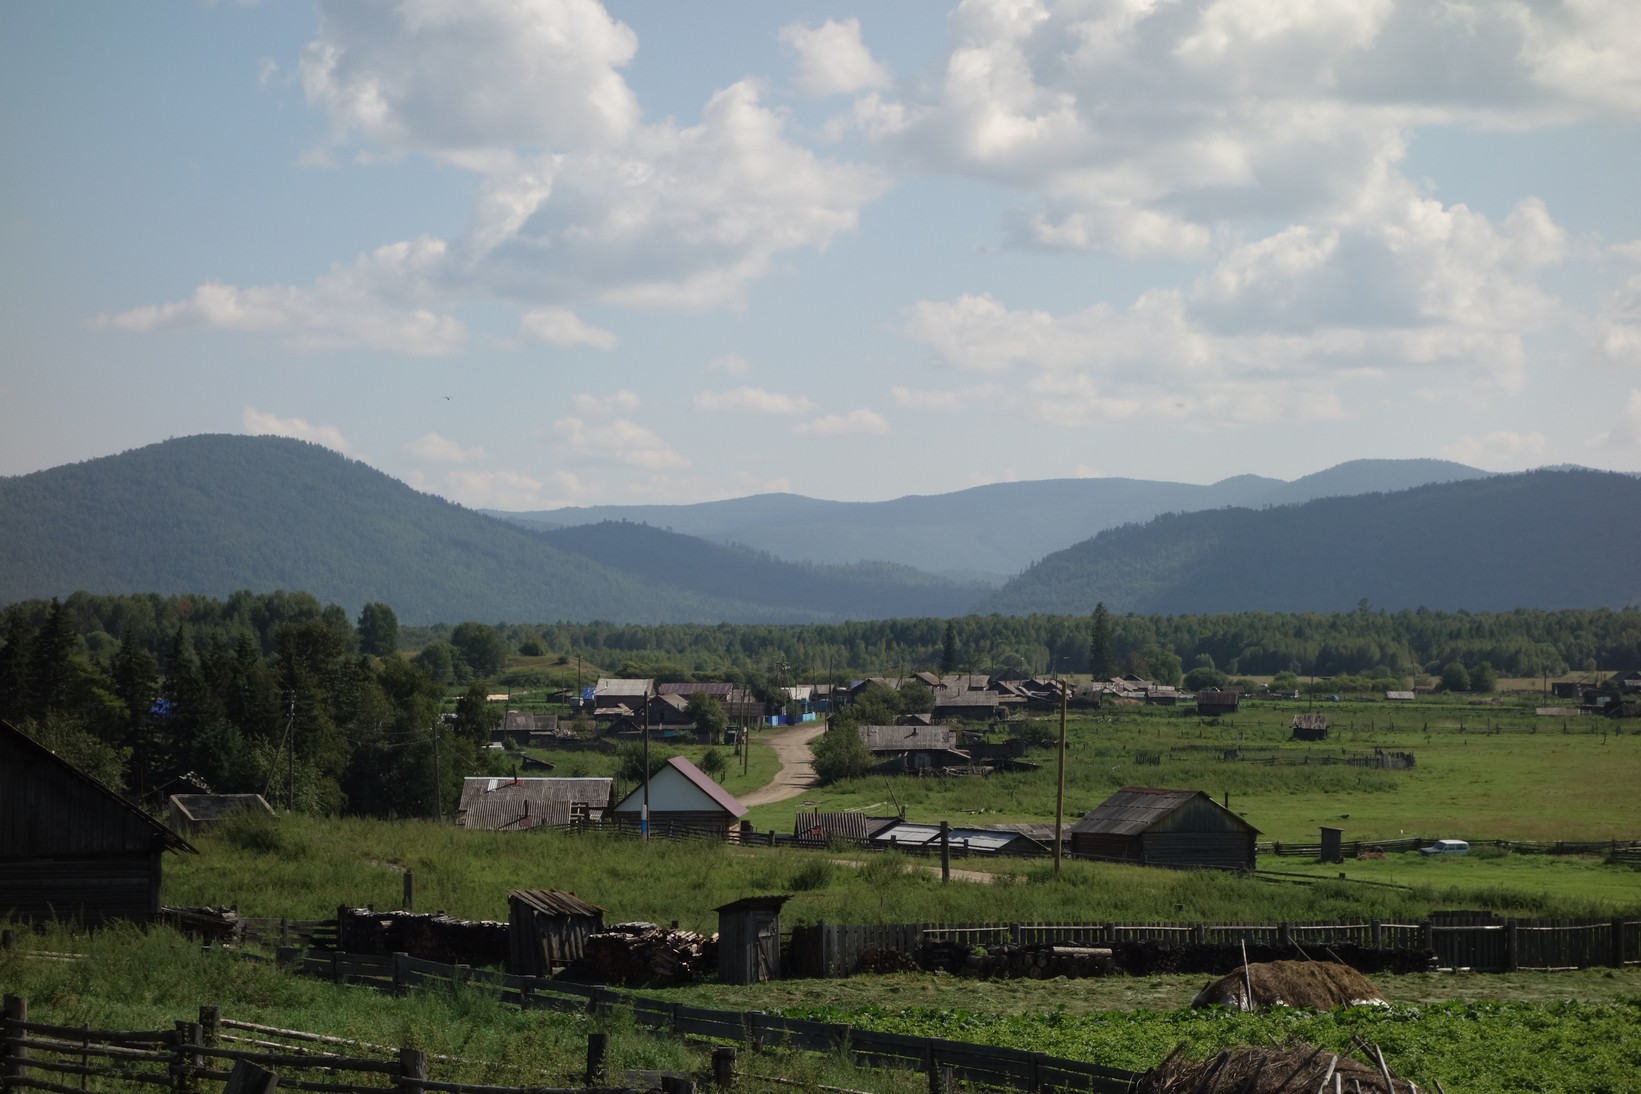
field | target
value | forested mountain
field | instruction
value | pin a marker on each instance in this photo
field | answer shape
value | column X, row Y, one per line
column 1544, row 539
column 803, row 591
column 211, row 515
column 994, row 530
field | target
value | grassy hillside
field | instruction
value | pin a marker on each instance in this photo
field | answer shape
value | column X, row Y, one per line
column 1545, row 539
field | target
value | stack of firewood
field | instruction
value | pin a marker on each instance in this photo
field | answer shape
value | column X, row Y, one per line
column 629, row 953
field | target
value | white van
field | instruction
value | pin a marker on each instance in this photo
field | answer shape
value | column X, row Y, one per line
column 1446, row 847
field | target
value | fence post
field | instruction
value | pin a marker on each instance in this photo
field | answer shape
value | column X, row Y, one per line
column 1284, row 935
column 598, row 1051
column 13, row 1058
column 1378, row 928
column 1617, row 955
column 210, row 1020
column 412, row 1070
column 400, row 973
column 1427, row 935
column 1512, row 938
column 187, row 1058
column 1014, row 933
column 723, row 1067
column 945, row 851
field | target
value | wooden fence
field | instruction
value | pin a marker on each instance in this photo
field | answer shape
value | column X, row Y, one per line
column 986, row 1065
column 214, row 1050
column 1615, row 849
column 1480, row 942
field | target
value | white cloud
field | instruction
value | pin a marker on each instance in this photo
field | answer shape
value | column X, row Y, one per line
column 1501, row 450
column 832, row 59
column 860, row 421
column 753, row 400
column 562, row 327
column 472, row 80
column 732, row 363
column 603, row 406
column 514, row 490
column 1620, row 323
column 433, row 448
column 383, row 301
column 616, row 440
column 258, row 423
column 1625, row 434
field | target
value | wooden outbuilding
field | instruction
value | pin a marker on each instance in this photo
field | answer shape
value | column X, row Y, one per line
column 749, row 939
column 1156, row 827
column 1219, row 701
column 548, row 929
column 1309, row 727
column 71, row 848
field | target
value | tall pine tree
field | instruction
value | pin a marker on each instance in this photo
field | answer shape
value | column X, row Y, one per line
column 1099, row 643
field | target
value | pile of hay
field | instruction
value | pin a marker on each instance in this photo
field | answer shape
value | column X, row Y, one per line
column 1315, row 985
column 1296, row 1069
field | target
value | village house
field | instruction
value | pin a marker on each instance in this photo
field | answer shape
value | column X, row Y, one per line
column 914, row 748
column 499, row 803
column 1158, row 827
column 683, row 798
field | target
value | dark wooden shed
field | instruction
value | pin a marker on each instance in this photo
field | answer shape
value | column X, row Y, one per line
column 1155, row 827
column 749, row 939
column 71, row 848
column 547, row 929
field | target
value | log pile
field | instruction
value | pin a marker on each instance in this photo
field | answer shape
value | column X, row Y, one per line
column 643, row 953
column 881, row 960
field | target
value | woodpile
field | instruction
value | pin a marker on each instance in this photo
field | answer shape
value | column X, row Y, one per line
column 1295, row 1069
column 882, row 960
column 643, row 953
column 1315, row 985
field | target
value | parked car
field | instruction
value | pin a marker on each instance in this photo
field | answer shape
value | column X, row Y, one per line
column 1446, row 847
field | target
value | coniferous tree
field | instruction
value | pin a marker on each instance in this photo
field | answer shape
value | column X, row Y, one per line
column 1099, row 643
column 948, row 650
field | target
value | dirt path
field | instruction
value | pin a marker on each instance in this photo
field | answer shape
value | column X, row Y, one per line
column 797, row 774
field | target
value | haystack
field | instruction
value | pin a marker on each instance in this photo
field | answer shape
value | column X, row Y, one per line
column 1295, row 1069
column 1315, row 985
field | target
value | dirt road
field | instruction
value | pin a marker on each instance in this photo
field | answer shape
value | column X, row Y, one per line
column 797, row 775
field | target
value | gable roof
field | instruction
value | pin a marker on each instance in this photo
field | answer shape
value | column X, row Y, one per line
column 906, row 738
column 25, row 749
column 681, row 767
column 1135, row 809
column 496, row 802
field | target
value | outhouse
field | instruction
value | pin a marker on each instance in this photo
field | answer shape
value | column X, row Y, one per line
column 547, row 929
column 749, row 939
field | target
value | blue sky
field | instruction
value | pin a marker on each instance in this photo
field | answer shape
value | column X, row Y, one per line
column 545, row 253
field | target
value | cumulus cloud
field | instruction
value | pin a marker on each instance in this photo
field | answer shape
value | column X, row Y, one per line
column 382, row 301
column 1500, row 450
column 593, row 406
column 472, row 80
column 753, row 400
column 732, row 363
column 1625, row 434
column 433, row 448
column 1620, row 323
column 832, row 59
column 259, row 423
column 950, row 400
column 513, row 490
column 616, row 440
column 562, row 327
column 860, row 421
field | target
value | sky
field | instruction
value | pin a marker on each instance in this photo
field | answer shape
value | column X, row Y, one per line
column 541, row 253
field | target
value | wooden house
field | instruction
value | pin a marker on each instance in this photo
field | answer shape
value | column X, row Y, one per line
column 71, row 848
column 500, row 803
column 681, row 796
column 1219, row 701
column 547, row 929
column 1155, row 827
column 189, row 813
column 913, row 748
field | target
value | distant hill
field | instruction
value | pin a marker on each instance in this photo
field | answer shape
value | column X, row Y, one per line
column 994, row 530
column 1545, row 539
column 859, row 591
column 215, row 514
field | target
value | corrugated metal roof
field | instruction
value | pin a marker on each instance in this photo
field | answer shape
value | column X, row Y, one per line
column 715, row 688
column 514, row 814
column 616, row 686
column 712, row 790
column 1132, row 810
column 850, row 825
column 906, row 834
column 554, row 902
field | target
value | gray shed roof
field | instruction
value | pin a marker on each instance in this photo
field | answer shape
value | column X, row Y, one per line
column 907, row 738
column 1134, row 809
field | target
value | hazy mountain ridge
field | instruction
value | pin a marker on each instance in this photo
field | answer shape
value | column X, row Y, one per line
column 1542, row 539
column 997, row 529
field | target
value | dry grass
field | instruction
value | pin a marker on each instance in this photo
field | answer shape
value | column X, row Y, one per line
column 1315, row 985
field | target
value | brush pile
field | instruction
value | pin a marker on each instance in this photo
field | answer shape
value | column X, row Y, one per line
column 1314, row 985
column 1294, row 1069
column 643, row 953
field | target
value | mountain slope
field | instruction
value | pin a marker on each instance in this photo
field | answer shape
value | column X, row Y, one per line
column 1544, row 539
column 861, row 591
column 997, row 529
column 215, row 514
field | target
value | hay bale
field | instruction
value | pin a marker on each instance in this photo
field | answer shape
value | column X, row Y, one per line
column 1315, row 985
column 1292, row 1069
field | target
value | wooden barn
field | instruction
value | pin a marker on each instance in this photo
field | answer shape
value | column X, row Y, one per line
column 1309, row 727
column 682, row 797
column 1217, row 701
column 548, row 929
column 1153, row 827
column 70, row 848
column 503, row 804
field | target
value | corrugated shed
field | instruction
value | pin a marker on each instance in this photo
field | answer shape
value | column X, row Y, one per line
column 849, row 825
column 907, row 738
column 500, row 803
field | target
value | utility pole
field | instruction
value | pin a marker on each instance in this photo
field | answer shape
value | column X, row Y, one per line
column 290, row 731
column 438, row 806
column 644, row 817
column 1060, row 788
